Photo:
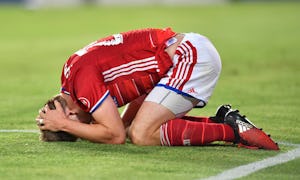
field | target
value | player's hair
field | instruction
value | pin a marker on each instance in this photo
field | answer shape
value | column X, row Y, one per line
column 50, row 136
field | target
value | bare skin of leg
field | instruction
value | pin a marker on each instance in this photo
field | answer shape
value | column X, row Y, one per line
column 144, row 129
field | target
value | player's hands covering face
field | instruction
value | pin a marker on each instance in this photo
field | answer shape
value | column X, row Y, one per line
column 53, row 120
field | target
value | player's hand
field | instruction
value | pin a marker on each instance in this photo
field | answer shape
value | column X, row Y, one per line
column 53, row 120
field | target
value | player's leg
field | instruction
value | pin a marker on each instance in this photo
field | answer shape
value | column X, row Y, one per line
column 159, row 106
column 144, row 129
column 210, row 131
column 130, row 110
column 153, row 127
column 190, row 82
column 178, row 132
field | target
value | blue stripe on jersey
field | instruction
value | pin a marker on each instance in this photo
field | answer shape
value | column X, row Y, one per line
column 99, row 102
column 63, row 90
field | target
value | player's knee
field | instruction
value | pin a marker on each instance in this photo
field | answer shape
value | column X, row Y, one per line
column 139, row 137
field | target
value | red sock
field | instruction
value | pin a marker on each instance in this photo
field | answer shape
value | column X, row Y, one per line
column 198, row 119
column 180, row 132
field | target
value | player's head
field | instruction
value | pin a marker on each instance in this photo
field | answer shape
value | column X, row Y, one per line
column 60, row 135
column 73, row 110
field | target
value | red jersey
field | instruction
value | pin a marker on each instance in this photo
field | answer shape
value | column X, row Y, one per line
column 125, row 66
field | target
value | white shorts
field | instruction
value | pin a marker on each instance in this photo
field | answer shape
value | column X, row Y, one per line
column 196, row 70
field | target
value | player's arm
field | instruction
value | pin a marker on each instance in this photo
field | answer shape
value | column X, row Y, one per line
column 107, row 127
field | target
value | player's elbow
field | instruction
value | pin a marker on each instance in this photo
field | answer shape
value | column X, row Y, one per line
column 117, row 138
column 121, row 139
column 110, row 138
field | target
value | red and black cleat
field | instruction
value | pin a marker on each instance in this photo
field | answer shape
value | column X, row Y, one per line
column 247, row 134
column 220, row 113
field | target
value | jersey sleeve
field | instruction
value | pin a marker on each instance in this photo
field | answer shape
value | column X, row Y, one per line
column 90, row 90
column 147, row 38
column 160, row 36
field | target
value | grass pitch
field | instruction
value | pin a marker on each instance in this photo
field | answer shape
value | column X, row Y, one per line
column 259, row 46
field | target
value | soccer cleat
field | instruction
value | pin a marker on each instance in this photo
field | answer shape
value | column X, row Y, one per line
column 221, row 112
column 247, row 134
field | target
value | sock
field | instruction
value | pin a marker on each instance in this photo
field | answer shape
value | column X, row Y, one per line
column 198, row 119
column 179, row 132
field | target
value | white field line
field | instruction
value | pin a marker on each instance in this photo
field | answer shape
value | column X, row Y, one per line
column 247, row 169
column 19, row 131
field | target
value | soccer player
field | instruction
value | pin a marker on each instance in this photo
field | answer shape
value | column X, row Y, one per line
column 160, row 75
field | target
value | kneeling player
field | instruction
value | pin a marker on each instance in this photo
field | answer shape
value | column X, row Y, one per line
column 176, row 71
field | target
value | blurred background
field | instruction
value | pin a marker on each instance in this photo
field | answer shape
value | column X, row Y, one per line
column 32, row 4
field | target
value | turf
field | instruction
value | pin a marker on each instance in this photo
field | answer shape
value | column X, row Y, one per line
column 259, row 45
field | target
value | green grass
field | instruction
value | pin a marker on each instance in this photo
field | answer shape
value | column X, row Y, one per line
column 259, row 45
